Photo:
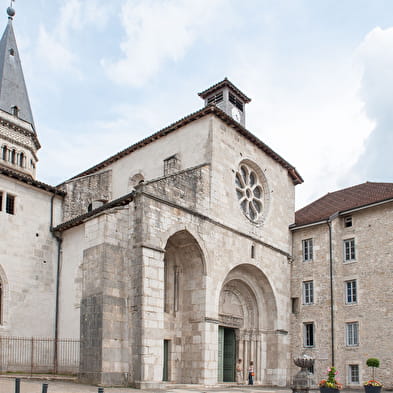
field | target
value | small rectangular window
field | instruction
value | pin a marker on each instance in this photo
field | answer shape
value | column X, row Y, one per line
column 308, row 292
column 295, row 305
column 307, row 250
column 10, row 204
column 352, row 334
column 351, row 292
column 171, row 165
column 349, row 250
column 348, row 221
column 353, row 374
column 308, row 334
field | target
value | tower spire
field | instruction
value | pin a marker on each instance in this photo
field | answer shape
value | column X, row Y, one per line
column 13, row 92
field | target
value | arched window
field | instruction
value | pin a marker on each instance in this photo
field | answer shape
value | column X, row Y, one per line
column 1, row 302
column 4, row 153
column 13, row 156
column 21, row 160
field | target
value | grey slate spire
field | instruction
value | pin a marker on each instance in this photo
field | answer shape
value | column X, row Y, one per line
column 13, row 93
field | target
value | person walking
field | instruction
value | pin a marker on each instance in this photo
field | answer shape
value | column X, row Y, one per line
column 251, row 373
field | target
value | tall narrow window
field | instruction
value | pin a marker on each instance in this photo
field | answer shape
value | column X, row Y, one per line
column 4, row 153
column 308, row 292
column 10, row 204
column 349, row 250
column 351, row 292
column 1, row 302
column 307, row 250
column 352, row 334
column 21, row 160
column 353, row 374
column 308, row 334
column 1, row 201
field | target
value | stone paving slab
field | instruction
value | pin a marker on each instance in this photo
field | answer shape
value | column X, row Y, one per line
column 29, row 385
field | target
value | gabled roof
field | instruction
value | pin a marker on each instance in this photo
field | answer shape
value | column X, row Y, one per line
column 207, row 110
column 361, row 195
column 220, row 85
column 30, row 181
column 13, row 90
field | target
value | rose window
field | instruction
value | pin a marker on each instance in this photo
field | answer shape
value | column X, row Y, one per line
column 249, row 193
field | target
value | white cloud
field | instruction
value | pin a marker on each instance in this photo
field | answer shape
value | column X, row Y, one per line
column 156, row 32
column 376, row 57
column 55, row 46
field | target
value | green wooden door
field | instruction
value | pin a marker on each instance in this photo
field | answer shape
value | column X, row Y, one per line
column 229, row 355
column 220, row 354
column 226, row 354
column 166, row 360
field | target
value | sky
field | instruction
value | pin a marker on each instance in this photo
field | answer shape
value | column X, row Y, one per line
column 103, row 75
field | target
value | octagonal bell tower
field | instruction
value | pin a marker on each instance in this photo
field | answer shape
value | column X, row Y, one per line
column 18, row 140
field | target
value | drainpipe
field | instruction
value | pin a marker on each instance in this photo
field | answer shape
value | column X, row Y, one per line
column 59, row 242
column 329, row 222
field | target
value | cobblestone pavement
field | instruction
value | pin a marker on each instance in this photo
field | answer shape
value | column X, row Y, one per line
column 28, row 385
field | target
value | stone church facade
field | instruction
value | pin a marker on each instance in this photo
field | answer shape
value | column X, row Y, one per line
column 167, row 270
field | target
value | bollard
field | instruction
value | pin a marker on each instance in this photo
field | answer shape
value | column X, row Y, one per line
column 44, row 388
column 100, row 390
column 17, row 385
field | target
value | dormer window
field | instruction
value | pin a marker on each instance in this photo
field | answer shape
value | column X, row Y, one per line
column 12, row 52
column 15, row 110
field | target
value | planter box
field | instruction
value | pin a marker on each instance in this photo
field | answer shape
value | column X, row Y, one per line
column 372, row 389
column 323, row 389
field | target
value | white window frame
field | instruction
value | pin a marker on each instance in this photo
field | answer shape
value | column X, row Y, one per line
column 352, row 334
column 349, row 250
column 353, row 374
column 308, row 340
column 307, row 250
column 351, row 292
column 308, row 292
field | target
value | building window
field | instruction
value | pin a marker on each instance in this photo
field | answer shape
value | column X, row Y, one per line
column 308, row 334
column 353, row 374
column 1, row 201
column 252, row 251
column 307, row 250
column 4, row 153
column 351, row 292
column 235, row 101
column 21, row 160
column 1, row 302
column 10, row 204
column 352, row 334
column 295, row 305
column 308, row 292
column 348, row 221
column 214, row 99
column 171, row 165
column 349, row 250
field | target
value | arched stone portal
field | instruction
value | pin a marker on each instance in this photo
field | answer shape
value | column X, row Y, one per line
column 247, row 308
column 184, row 298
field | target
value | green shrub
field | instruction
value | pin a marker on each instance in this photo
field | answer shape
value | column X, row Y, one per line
column 372, row 362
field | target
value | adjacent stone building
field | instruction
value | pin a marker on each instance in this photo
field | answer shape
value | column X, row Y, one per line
column 170, row 269
column 341, row 281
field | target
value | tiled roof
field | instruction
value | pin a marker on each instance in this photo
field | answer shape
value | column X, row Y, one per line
column 349, row 198
column 207, row 110
column 29, row 180
column 219, row 85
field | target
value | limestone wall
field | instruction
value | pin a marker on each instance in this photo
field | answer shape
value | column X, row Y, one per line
column 28, row 261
